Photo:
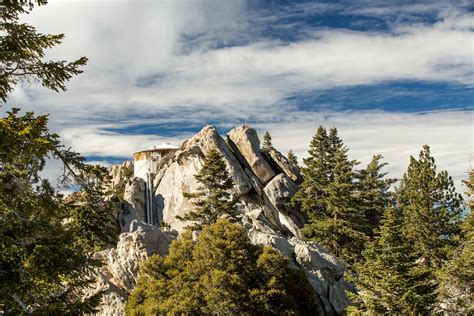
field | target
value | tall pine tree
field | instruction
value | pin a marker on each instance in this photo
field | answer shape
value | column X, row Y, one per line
column 315, row 172
column 388, row 279
column 431, row 208
column 326, row 196
column 213, row 198
column 373, row 193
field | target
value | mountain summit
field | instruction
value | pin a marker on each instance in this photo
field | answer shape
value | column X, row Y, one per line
column 264, row 182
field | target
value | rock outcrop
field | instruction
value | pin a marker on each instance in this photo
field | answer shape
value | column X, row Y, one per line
column 264, row 184
column 118, row 276
column 120, row 173
column 245, row 143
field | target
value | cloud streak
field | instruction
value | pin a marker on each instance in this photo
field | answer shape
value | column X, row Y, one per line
column 228, row 62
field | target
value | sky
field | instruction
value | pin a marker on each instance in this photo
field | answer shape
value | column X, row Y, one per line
column 390, row 75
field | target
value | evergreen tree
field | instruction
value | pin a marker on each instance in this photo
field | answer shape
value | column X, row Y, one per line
column 220, row 273
column 45, row 252
column 327, row 197
column 373, row 194
column 267, row 142
column 457, row 275
column 22, row 50
column 45, row 257
column 311, row 193
column 431, row 208
column 293, row 160
column 92, row 211
column 213, row 199
column 388, row 279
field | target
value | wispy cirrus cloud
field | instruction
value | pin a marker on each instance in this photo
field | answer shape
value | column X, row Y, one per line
column 228, row 62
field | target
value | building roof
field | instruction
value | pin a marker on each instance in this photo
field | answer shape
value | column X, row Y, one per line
column 164, row 146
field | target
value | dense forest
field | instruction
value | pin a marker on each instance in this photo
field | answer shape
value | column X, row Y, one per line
column 407, row 244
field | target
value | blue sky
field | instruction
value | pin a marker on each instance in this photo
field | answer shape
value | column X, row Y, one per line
column 391, row 75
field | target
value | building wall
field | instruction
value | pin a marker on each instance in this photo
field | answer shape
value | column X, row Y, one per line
column 140, row 169
column 143, row 162
column 151, row 157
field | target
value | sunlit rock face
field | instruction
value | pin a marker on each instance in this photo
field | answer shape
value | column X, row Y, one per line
column 264, row 184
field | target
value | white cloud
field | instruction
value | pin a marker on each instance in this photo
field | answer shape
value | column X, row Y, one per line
column 394, row 135
column 127, row 41
column 94, row 141
column 181, row 48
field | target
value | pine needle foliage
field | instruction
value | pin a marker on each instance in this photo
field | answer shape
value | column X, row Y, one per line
column 389, row 280
column 267, row 142
column 213, row 199
column 45, row 246
column 220, row 272
column 373, row 193
column 327, row 197
column 293, row 159
column 22, row 51
column 457, row 275
column 431, row 208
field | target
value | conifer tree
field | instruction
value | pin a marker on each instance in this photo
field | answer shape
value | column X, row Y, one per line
column 221, row 273
column 45, row 255
column 431, row 209
column 388, row 279
column 46, row 243
column 373, row 194
column 311, row 193
column 292, row 159
column 213, row 198
column 457, row 275
column 22, row 51
column 267, row 142
column 326, row 196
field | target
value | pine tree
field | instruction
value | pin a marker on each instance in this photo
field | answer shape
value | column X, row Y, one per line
column 327, row 197
column 46, row 243
column 293, row 160
column 220, row 273
column 92, row 212
column 373, row 194
column 267, row 142
column 457, row 275
column 213, row 199
column 45, row 254
column 431, row 208
column 388, row 279
column 311, row 193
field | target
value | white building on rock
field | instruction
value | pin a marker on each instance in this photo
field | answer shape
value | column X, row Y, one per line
column 145, row 163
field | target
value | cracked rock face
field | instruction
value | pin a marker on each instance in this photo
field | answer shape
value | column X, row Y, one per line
column 118, row 276
column 264, row 184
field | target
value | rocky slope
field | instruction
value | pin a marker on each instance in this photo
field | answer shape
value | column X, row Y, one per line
column 264, row 183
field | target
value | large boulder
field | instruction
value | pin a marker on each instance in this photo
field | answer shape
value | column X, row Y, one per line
column 282, row 164
column 246, row 144
column 279, row 192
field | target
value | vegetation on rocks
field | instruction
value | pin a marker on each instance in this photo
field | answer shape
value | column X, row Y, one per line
column 213, row 199
column 220, row 271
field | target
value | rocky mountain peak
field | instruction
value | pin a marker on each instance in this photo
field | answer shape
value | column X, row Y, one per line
column 263, row 184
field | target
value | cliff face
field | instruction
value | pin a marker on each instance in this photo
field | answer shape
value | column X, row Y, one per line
column 264, row 184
